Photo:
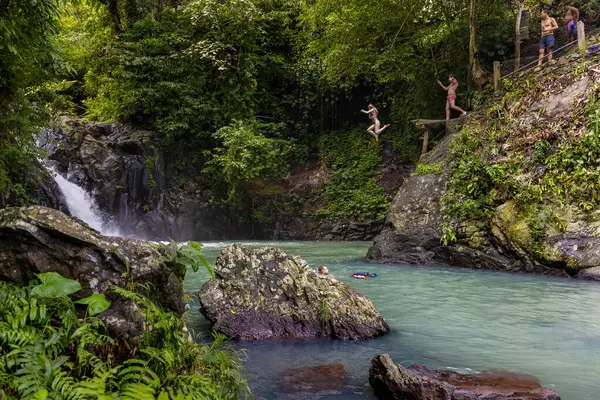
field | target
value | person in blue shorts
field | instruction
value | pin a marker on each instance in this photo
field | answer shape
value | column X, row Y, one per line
column 549, row 25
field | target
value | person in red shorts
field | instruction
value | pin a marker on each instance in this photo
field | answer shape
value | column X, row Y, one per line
column 451, row 100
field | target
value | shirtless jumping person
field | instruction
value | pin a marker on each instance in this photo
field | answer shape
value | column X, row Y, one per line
column 450, row 102
column 374, row 129
column 549, row 25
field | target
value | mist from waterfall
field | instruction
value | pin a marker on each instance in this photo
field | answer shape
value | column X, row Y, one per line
column 82, row 205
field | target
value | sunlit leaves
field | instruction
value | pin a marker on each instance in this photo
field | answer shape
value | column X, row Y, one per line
column 96, row 303
column 54, row 285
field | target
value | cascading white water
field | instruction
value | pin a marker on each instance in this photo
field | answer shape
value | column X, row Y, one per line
column 83, row 206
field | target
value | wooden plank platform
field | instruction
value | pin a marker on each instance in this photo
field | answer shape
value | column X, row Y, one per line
column 429, row 123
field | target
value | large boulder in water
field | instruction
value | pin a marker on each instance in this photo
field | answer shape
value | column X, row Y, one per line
column 260, row 294
column 391, row 381
column 35, row 240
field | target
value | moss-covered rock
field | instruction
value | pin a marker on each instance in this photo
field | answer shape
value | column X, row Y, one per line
column 260, row 294
column 35, row 240
column 518, row 186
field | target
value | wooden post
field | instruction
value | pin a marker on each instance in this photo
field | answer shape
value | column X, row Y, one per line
column 497, row 75
column 581, row 36
column 425, row 141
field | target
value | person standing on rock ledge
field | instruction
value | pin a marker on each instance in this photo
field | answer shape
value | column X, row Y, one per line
column 549, row 25
column 451, row 99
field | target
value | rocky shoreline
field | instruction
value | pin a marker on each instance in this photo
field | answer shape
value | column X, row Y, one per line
column 255, row 295
column 394, row 382
column 525, row 234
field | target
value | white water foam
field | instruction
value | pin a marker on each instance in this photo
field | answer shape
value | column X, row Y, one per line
column 82, row 206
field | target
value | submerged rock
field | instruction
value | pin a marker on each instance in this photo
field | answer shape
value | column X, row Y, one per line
column 35, row 240
column 317, row 379
column 260, row 294
column 391, row 381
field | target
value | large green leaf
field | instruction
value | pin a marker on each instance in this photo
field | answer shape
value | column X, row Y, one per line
column 97, row 303
column 54, row 285
column 191, row 256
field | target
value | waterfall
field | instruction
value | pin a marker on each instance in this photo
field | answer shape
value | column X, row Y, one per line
column 82, row 205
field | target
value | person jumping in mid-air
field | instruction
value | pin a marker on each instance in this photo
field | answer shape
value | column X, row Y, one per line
column 374, row 129
column 451, row 100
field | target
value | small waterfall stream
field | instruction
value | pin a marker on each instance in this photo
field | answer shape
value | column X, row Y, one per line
column 82, row 206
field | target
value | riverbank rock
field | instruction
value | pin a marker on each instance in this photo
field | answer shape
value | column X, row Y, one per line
column 261, row 294
column 35, row 240
column 391, row 381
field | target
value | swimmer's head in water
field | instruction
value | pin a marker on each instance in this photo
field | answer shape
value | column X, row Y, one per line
column 323, row 270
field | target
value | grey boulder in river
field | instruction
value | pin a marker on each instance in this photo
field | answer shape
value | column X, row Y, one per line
column 37, row 239
column 261, row 294
column 391, row 381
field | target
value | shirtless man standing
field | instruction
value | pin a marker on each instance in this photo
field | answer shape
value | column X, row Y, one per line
column 451, row 100
column 374, row 129
column 549, row 25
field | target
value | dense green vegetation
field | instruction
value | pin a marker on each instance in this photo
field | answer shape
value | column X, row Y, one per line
column 243, row 85
column 242, row 90
column 551, row 171
column 54, row 347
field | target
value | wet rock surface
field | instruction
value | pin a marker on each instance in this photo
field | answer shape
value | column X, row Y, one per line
column 135, row 184
column 39, row 188
column 394, row 382
column 265, row 294
column 35, row 240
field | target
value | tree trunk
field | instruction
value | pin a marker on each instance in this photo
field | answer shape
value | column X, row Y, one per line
column 518, row 35
column 473, row 50
column 113, row 9
column 479, row 76
column 159, row 5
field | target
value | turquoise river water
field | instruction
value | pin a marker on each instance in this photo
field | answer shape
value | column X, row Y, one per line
column 443, row 318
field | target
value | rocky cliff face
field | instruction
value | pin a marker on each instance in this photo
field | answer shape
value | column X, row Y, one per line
column 267, row 294
column 134, row 184
column 39, row 188
column 307, row 181
column 147, row 196
column 518, row 222
column 38, row 239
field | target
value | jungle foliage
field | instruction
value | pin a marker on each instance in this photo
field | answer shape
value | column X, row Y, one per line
column 553, row 164
column 248, row 88
column 204, row 74
column 52, row 347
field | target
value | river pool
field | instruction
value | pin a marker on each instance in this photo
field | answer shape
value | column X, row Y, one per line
column 442, row 318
